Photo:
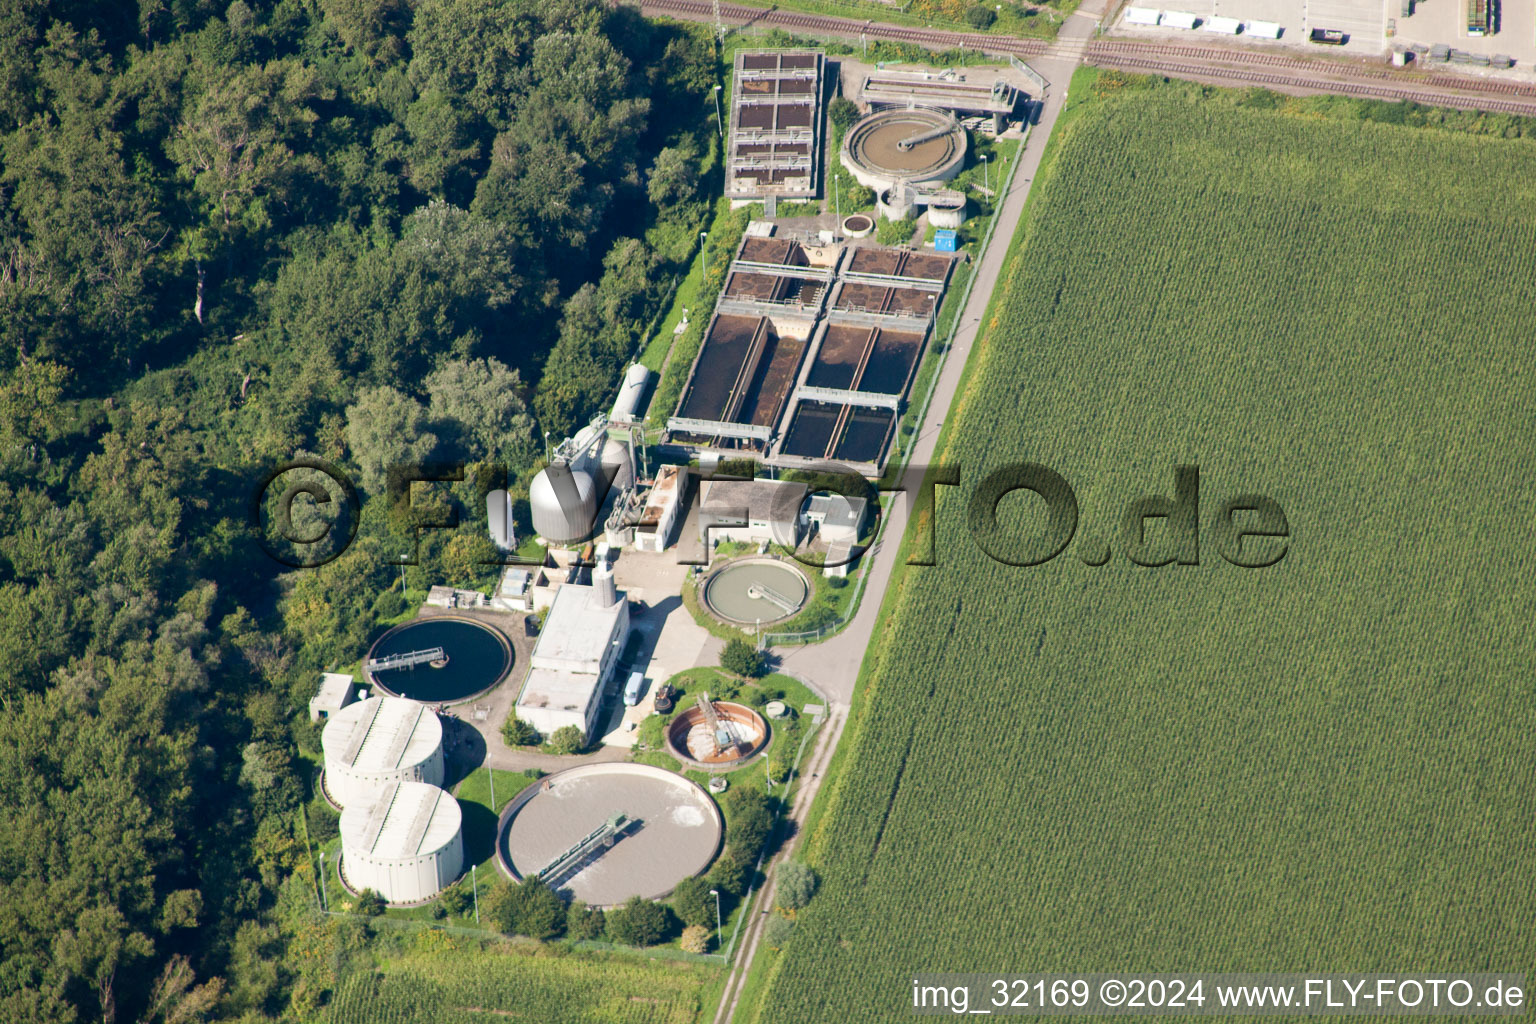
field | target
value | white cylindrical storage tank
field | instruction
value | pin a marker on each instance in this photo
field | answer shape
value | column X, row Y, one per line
column 563, row 503
column 626, row 409
column 405, row 845
column 947, row 210
column 373, row 744
column 895, row 203
column 615, row 462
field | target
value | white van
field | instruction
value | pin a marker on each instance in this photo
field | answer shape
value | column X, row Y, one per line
column 633, row 687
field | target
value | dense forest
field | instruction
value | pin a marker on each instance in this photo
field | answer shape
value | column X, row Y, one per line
column 232, row 234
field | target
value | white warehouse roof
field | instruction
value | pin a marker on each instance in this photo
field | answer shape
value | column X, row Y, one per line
column 1228, row 26
column 381, row 734
column 1264, row 29
column 1179, row 19
column 577, row 631
column 1142, row 16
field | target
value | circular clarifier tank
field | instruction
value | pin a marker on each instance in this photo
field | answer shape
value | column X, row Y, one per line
column 606, row 832
column 475, row 657
column 737, row 735
column 904, row 145
column 756, row 591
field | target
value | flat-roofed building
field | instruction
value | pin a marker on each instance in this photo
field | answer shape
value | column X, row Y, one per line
column 335, row 692
column 751, row 511
column 575, row 656
column 663, row 508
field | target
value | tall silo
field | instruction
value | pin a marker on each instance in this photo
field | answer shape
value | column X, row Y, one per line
column 405, row 845
column 563, row 502
column 373, row 744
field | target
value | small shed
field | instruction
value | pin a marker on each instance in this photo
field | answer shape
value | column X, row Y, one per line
column 1179, row 19
column 1263, row 29
column 1226, row 26
column 335, row 693
column 1142, row 16
column 945, row 241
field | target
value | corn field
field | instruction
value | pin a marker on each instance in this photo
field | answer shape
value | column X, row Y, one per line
column 538, row 987
column 1327, row 764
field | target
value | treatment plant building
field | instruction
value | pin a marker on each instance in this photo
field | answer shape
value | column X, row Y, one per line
column 373, row 744
column 575, row 656
column 404, row 844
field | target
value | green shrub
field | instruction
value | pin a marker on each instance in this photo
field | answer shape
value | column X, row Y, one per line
column 457, row 900
column 695, row 939
column 980, row 18
column 389, row 604
column 730, row 874
column 751, row 823
column 842, row 112
column 778, row 930
column 370, row 903
column 639, row 922
column 692, row 901
column 582, row 921
column 518, row 733
column 567, row 739
column 896, row 232
column 742, row 659
column 797, row 884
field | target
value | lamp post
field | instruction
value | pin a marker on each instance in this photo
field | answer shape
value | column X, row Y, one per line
column 474, row 881
column 703, row 251
column 324, row 904
column 837, row 194
column 719, row 121
column 719, row 929
column 985, row 180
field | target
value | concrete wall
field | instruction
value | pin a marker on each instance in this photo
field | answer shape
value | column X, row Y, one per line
column 406, row 880
column 347, row 785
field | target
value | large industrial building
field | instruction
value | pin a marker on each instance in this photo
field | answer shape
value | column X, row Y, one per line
column 575, row 656
column 378, row 742
column 404, row 844
column 774, row 150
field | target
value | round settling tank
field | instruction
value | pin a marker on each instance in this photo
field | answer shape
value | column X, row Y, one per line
column 405, row 845
column 741, row 736
column 477, row 657
column 946, row 210
column 858, row 225
column 752, row 591
column 917, row 145
column 670, row 830
column 376, row 743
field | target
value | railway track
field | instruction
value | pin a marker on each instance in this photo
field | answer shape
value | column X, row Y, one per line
column 1369, row 90
column 1312, row 65
column 736, row 14
column 1179, row 61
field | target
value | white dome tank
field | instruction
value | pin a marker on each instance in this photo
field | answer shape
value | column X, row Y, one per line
column 405, row 845
column 563, row 503
column 373, row 744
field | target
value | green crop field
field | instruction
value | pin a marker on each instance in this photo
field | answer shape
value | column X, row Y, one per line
column 538, row 985
column 1326, row 764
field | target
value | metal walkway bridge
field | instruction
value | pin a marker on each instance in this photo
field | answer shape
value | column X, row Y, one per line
column 603, row 836
column 410, row 659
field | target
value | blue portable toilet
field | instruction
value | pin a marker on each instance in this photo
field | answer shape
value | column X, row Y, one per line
column 944, row 241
